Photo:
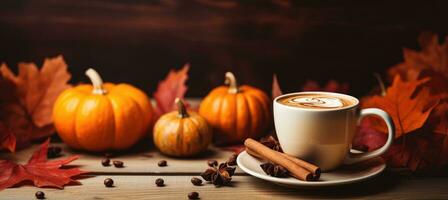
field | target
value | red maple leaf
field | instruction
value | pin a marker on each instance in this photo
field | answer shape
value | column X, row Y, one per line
column 172, row 87
column 419, row 150
column 39, row 170
column 7, row 140
column 367, row 138
column 438, row 119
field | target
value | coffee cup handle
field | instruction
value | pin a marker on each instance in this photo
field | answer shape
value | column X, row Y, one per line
column 358, row 157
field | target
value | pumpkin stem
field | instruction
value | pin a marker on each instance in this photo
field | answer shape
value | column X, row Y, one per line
column 231, row 81
column 181, row 108
column 96, row 80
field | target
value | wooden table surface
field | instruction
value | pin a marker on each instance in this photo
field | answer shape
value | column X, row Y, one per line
column 136, row 181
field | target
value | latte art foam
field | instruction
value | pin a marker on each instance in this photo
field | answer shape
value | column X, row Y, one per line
column 318, row 102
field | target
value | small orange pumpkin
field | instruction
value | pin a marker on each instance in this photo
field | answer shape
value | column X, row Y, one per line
column 236, row 113
column 180, row 133
column 103, row 116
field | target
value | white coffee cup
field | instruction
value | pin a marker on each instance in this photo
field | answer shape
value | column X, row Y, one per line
column 324, row 136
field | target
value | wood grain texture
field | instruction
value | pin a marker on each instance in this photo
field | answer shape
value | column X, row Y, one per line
column 139, row 41
column 243, row 187
column 136, row 181
column 137, row 161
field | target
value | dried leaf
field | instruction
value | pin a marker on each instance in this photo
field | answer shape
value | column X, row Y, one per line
column 431, row 61
column 27, row 99
column 432, row 57
column 38, row 90
column 276, row 91
column 423, row 143
column 408, row 110
column 331, row 86
column 367, row 138
column 41, row 172
column 8, row 140
column 439, row 118
column 172, row 87
column 417, row 151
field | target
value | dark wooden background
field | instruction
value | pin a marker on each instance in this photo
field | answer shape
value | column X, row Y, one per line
column 138, row 41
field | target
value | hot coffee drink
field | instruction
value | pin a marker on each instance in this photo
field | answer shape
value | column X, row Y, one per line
column 320, row 127
column 316, row 101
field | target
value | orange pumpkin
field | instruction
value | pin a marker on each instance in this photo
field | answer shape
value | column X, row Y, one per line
column 180, row 133
column 103, row 116
column 236, row 113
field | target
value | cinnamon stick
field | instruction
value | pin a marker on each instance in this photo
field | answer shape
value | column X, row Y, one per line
column 315, row 170
column 276, row 157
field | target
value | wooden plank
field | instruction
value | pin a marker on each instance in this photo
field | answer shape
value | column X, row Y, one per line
column 139, row 41
column 135, row 161
column 244, row 187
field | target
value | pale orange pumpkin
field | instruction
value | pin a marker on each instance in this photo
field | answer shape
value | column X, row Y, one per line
column 181, row 133
column 103, row 116
column 236, row 113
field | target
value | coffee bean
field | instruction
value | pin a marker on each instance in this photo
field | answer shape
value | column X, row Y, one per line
column 193, row 195
column 54, row 151
column 160, row 182
column 162, row 163
column 196, row 181
column 105, row 162
column 40, row 195
column 108, row 182
column 118, row 164
column 212, row 163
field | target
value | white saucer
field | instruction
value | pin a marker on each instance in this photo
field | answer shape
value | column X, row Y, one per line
column 342, row 175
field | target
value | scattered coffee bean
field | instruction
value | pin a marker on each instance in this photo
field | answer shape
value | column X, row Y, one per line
column 212, row 163
column 54, row 151
column 193, row 195
column 162, row 163
column 40, row 195
column 196, row 181
column 118, row 164
column 160, row 182
column 232, row 160
column 108, row 182
column 105, row 162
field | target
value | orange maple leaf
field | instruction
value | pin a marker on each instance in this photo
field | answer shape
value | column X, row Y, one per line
column 433, row 56
column 408, row 107
column 26, row 100
column 38, row 89
column 431, row 61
